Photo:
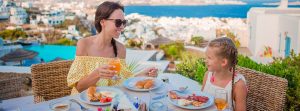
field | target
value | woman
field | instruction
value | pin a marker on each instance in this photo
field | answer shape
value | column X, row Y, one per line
column 93, row 53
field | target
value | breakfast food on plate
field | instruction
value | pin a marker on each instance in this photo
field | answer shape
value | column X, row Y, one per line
column 202, row 99
column 148, row 84
column 108, row 94
column 173, row 95
column 193, row 99
column 197, row 103
column 91, row 94
column 140, row 84
column 144, row 84
column 103, row 96
column 184, row 102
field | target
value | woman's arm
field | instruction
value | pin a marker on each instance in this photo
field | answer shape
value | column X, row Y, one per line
column 101, row 72
column 87, row 81
column 240, row 95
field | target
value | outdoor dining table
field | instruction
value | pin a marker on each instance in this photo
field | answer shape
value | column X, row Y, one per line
column 175, row 81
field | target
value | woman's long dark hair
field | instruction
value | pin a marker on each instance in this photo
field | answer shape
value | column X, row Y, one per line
column 228, row 51
column 103, row 11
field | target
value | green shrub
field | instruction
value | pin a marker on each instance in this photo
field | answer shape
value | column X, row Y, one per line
column 134, row 43
column 173, row 50
column 233, row 38
column 197, row 40
column 188, row 64
column 288, row 68
column 12, row 34
column 64, row 41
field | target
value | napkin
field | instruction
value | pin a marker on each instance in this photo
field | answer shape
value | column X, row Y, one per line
column 123, row 103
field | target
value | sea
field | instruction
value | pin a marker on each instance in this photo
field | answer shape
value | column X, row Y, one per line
column 221, row 11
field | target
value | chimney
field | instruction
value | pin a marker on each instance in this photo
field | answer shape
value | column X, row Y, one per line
column 283, row 4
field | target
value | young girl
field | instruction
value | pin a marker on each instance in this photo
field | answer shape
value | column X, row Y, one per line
column 221, row 60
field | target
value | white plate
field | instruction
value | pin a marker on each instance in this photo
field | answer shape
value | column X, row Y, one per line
column 130, row 83
column 198, row 93
column 84, row 98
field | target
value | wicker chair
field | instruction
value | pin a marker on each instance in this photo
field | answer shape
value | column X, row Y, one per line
column 265, row 92
column 49, row 80
column 13, row 84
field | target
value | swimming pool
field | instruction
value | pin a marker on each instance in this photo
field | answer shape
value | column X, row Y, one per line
column 50, row 52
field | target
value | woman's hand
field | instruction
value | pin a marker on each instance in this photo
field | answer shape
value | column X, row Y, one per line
column 149, row 72
column 104, row 72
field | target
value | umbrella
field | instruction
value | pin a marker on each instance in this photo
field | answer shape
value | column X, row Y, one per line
column 18, row 55
column 57, row 59
column 160, row 40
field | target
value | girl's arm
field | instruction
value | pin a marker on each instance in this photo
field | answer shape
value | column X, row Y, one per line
column 204, row 81
column 240, row 96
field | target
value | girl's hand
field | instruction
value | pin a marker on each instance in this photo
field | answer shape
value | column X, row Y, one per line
column 149, row 72
column 105, row 72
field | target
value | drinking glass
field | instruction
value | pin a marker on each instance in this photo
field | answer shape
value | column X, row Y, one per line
column 117, row 63
column 221, row 99
column 158, row 100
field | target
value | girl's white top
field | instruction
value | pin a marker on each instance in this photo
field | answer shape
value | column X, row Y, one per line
column 210, row 88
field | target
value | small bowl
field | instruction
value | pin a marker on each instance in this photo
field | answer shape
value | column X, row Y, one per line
column 63, row 105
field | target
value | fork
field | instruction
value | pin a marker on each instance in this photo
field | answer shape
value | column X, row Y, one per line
column 81, row 107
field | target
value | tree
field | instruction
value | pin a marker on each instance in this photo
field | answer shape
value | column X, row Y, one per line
column 197, row 40
column 233, row 38
column 13, row 34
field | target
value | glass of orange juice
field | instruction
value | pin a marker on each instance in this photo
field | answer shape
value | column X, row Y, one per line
column 117, row 63
column 221, row 99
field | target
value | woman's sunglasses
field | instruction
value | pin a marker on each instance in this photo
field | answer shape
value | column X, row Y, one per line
column 119, row 22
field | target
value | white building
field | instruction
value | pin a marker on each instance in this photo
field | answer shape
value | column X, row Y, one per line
column 278, row 28
column 18, row 15
column 53, row 17
column 70, row 16
column 27, row 4
column 9, row 10
column 5, row 9
column 72, row 30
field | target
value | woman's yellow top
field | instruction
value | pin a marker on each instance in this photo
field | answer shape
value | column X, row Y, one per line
column 82, row 66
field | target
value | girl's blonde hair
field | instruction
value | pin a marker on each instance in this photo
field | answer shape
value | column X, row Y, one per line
column 227, row 50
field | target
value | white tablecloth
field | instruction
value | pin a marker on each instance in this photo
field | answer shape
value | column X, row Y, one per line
column 175, row 81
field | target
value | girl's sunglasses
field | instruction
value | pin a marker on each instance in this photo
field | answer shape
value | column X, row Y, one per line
column 119, row 22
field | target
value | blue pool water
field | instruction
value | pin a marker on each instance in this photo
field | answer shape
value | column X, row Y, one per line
column 50, row 52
